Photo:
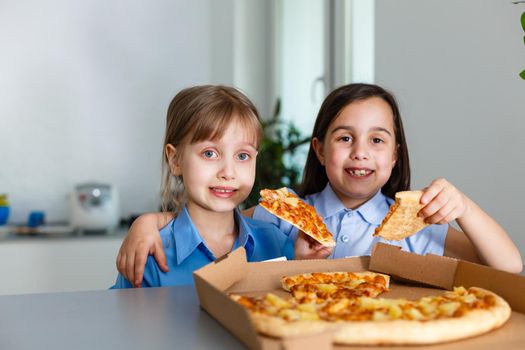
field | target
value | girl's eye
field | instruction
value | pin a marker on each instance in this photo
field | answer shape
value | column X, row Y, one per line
column 345, row 138
column 209, row 154
column 244, row 156
column 377, row 140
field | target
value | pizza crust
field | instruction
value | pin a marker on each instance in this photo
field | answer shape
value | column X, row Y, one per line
column 278, row 327
column 404, row 332
column 402, row 220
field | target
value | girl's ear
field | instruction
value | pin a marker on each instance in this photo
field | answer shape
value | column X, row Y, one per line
column 318, row 149
column 173, row 158
column 394, row 158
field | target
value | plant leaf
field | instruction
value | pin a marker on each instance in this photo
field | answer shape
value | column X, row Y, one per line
column 523, row 21
column 522, row 74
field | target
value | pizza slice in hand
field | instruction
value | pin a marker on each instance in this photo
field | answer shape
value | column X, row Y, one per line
column 402, row 220
column 287, row 206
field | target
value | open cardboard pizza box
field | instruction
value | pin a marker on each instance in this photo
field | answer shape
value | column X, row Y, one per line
column 413, row 276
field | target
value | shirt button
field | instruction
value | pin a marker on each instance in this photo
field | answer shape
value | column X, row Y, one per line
column 345, row 238
column 349, row 214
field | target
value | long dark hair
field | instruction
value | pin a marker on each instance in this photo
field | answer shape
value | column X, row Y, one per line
column 314, row 176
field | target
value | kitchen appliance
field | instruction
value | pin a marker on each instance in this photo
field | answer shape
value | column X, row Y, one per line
column 4, row 209
column 94, row 207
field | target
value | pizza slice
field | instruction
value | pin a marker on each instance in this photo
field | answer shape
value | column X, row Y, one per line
column 402, row 220
column 335, row 285
column 292, row 209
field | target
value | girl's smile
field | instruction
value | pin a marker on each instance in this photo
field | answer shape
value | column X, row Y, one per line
column 359, row 173
column 359, row 150
column 223, row 192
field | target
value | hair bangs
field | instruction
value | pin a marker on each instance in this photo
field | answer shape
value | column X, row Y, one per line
column 212, row 125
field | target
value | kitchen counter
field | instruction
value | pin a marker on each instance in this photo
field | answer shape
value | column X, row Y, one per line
column 16, row 233
column 154, row 318
column 44, row 263
column 58, row 263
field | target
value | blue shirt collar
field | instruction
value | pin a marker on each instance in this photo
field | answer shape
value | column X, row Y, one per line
column 187, row 238
column 327, row 203
column 373, row 211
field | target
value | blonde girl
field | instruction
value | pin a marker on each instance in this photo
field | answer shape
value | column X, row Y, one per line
column 210, row 149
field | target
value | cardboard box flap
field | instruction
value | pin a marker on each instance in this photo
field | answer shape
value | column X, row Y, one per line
column 211, row 281
column 508, row 285
column 228, row 312
column 226, row 270
column 412, row 267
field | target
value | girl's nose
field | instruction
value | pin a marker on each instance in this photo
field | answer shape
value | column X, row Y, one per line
column 227, row 170
column 359, row 152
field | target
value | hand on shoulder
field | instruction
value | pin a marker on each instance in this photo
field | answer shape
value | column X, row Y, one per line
column 143, row 239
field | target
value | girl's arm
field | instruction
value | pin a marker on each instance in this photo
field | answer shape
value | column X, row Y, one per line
column 482, row 240
column 143, row 239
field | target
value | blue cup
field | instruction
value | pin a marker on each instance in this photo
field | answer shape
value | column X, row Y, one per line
column 36, row 218
column 4, row 214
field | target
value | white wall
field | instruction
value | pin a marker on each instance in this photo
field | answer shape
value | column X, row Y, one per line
column 454, row 67
column 84, row 91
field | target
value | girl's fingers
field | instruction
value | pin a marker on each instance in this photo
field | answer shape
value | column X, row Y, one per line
column 160, row 256
column 308, row 248
column 442, row 215
column 130, row 272
column 316, row 246
column 118, row 262
column 430, row 192
column 311, row 242
column 138, row 269
column 437, row 202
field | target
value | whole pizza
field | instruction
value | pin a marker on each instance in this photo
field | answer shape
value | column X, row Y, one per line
column 347, row 304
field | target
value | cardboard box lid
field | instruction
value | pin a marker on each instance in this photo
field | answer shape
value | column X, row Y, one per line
column 451, row 272
column 413, row 267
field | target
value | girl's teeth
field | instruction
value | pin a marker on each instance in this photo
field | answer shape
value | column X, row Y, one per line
column 359, row 172
column 223, row 191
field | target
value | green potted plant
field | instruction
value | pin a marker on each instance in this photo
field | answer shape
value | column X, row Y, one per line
column 275, row 162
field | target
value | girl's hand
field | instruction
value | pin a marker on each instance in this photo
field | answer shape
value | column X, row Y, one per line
column 308, row 248
column 443, row 203
column 143, row 239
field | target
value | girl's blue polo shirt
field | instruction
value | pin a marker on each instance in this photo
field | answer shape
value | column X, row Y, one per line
column 353, row 229
column 186, row 251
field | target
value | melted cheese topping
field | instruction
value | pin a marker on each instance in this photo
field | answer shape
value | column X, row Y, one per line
column 362, row 308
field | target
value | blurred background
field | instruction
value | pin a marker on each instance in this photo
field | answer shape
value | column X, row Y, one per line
column 85, row 86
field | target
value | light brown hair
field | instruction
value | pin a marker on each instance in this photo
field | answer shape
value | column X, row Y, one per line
column 202, row 113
